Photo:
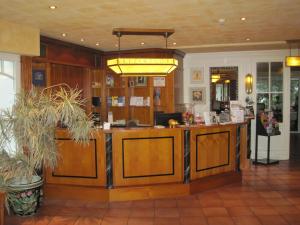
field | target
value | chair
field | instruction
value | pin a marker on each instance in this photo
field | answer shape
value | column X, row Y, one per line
column 261, row 131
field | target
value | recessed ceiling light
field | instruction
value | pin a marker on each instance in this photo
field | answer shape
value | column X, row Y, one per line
column 247, row 39
column 142, row 43
column 63, row 34
column 82, row 39
column 97, row 43
column 52, row 7
column 174, row 43
column 221, row 20
column 243, row 18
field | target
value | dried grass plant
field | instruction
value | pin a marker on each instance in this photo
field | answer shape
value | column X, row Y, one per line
column 31, row 124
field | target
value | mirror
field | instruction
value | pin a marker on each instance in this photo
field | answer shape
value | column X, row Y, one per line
column 223, row 87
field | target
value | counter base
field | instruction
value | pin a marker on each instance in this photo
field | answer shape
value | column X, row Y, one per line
column 86, row 193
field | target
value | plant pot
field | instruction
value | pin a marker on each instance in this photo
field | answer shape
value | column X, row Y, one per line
column 23, row 197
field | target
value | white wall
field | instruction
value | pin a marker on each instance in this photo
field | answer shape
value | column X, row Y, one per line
column 246, row 63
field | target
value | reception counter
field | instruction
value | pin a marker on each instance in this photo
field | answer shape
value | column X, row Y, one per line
column 143, row 163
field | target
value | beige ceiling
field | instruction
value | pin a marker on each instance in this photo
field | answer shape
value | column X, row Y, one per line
column 269, row 22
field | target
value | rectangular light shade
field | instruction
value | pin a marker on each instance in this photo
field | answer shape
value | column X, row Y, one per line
column 142, row 66
column 292, row 61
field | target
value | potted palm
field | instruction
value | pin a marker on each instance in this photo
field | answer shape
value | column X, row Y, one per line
column 27, row 140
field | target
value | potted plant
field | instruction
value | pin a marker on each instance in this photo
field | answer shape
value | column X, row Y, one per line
column 27, row 140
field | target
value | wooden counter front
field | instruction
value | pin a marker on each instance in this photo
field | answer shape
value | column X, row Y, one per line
column 147, row 156
column 213, row 150
column 79, row 164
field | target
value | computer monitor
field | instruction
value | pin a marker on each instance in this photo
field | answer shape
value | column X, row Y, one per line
column 163, row 118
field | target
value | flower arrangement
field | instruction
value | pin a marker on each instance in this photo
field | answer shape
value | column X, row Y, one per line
column 269, row 122
column 188, row 118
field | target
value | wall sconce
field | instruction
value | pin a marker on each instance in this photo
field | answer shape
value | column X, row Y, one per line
column 249, row 83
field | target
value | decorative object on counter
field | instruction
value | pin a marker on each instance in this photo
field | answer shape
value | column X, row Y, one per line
column 197, row 95
column 110, row 118
column 196, row 75
column 142, row 66
column 172, row 123
column 210, row 118
column 31, row 124
column 224, row 116
column 249, row 83
column 188, row 118
column 198, row 119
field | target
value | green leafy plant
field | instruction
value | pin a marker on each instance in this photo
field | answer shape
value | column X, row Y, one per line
column 27, row 130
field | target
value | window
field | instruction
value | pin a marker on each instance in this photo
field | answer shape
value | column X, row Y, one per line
column 269, row 87
column 9, row 82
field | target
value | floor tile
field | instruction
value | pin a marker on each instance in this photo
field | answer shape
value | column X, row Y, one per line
column 286, row 210
column 220, row 221
column 142, row 212
column 264, row 211
column 117, row 212
column 165, row 203
column 193, row 212
column 143, row 204
column 141, row 221
column 239, row 211
column 292, row 219
column 88, row 221
column 114, row 221
column 246, row 220
column 193, row 221
column 215, row 211
column 63, row 220
column 166, row 221
column 272, row 220
column 167, row 212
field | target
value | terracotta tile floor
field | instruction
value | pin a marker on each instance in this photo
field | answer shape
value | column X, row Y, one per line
column 268, row 195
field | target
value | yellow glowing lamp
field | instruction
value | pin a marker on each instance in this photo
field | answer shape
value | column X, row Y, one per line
column 249, row 83
column 292, row 61
column 227, row 81
column 142, row 66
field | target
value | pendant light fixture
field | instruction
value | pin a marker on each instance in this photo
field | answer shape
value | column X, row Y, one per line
column 126, row 67
column 293, row 60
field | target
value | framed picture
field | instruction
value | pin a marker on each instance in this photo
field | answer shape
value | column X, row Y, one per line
column 110, row 80
column 197, row 95
column 39, row 77
column 159, row 81
column 131, row 82
column 141, row 81
column 196, row 76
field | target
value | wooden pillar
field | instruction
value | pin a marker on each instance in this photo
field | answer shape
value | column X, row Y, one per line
column 26, row 72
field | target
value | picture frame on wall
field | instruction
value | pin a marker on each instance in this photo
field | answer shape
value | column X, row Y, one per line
column 198, row 95
column 141, row 81
column 196, row 75
column 39, row 77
